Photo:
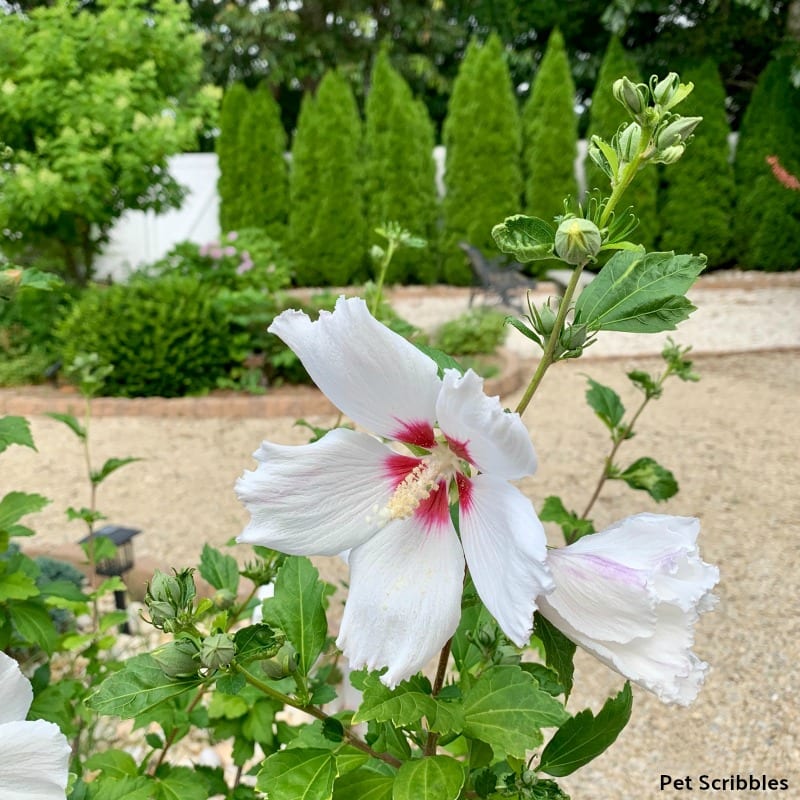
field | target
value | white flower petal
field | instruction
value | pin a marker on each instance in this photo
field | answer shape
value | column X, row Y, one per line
column 319, row 498
column 505, row 547
column 34, row 761
column 405, row 598
column 16, row 694
column 375, row 376
column 480, row 431
column 631, row 595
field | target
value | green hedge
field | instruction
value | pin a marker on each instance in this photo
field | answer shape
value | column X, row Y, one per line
column 327, row 231
column 400, row 176
column 483, row 173
column 234, row 104
column 768, row 213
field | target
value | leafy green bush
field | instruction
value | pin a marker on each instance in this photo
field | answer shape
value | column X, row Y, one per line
column 483, row 173
column 27, row 346
column 163, row 337
column 768, row 214
column 54, row 569
column 244, row 258
column 231, row 167
column 480, row 331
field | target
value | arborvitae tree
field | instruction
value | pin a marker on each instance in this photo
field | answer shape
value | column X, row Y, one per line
column 326, row 217
column 400, row 180
column 482, row 134
column 264, row 187
column 234, row 103
column 697, row 191
column 767, row 227
column 606, row 116
column 550, row 134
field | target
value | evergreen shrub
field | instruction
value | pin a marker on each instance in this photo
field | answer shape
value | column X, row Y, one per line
column 550, row 134
column 483, row 173
column 400, row 178
column 698, row 191
column 479, row 331
column 231, row 167
column 327, row 231
column 768, row 213
column 164, row 337
column 606, row 116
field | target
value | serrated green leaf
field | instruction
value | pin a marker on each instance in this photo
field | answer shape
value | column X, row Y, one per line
column 433, row 778
column 71, row 422
column 16, row 505
column 36, row 279
column 638, row 292
column 35, row 625
column 256, row 641
column 138, row 687
column 127, row 788
column 553, row 510
column 473, row 618
column 584, row 737
column 605, row 402
column 526, row 238
column 220, row 570
column 181, row 783
column 15, row 430
column 506, row 708
column 649, row 476
column 363, row 784
column 113, row 763
column 302, row 774
column 17, row 586
column 297, row 608
column 111, row 465
column 559, row 651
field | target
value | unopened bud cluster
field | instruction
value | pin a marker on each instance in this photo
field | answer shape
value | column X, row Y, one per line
column 656, row 134
column 170, row 599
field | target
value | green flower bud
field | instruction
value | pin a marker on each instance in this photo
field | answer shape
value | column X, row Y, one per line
column 177, row 659
column 224, row 599
column 628, row 141
column 161, row 614
column 676, row 132
column 577, row 240
column 284, row 663
column 664, row 89
column 217, row 650
column 376, row 253
column 670, row 154
column 547, row 319
column 573, row 337
column 631, row 95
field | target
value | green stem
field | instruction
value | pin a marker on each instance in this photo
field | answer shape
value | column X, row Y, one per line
column 174, row 732
column 438, row 682
column 376, row 301
column 547, row 359
column 313, row 711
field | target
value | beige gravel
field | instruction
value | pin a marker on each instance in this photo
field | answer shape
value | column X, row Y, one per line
column 731, row 441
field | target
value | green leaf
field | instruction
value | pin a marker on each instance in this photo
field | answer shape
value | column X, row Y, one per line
column 127, row 788
column 559, row 651
column 35, row 625
column 553, row 510
column 113, row 763
column 644, row 382
column 111, row 465
column 15, row 430
column 306, row 774
column 363, row 784
column 298, row 609
column 432, row 778
column 71, row 422
column 16, row 505
column 473, row 618
column 524, row 330
column 17, row 586
column 36, row 279
column 506, row 707
column 181, row 783
column 221, row 571
column 638, row 292
column 442, row 359
column 605, row 402
column 256, row 641
column 648, row 475
column 584, row 737
column 526, row 238
column 138, row 687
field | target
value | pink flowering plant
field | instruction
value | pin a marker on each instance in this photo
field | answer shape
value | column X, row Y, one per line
column 450, row 673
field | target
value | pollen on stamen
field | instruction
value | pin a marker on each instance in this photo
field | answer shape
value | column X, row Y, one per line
column 413, row 489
